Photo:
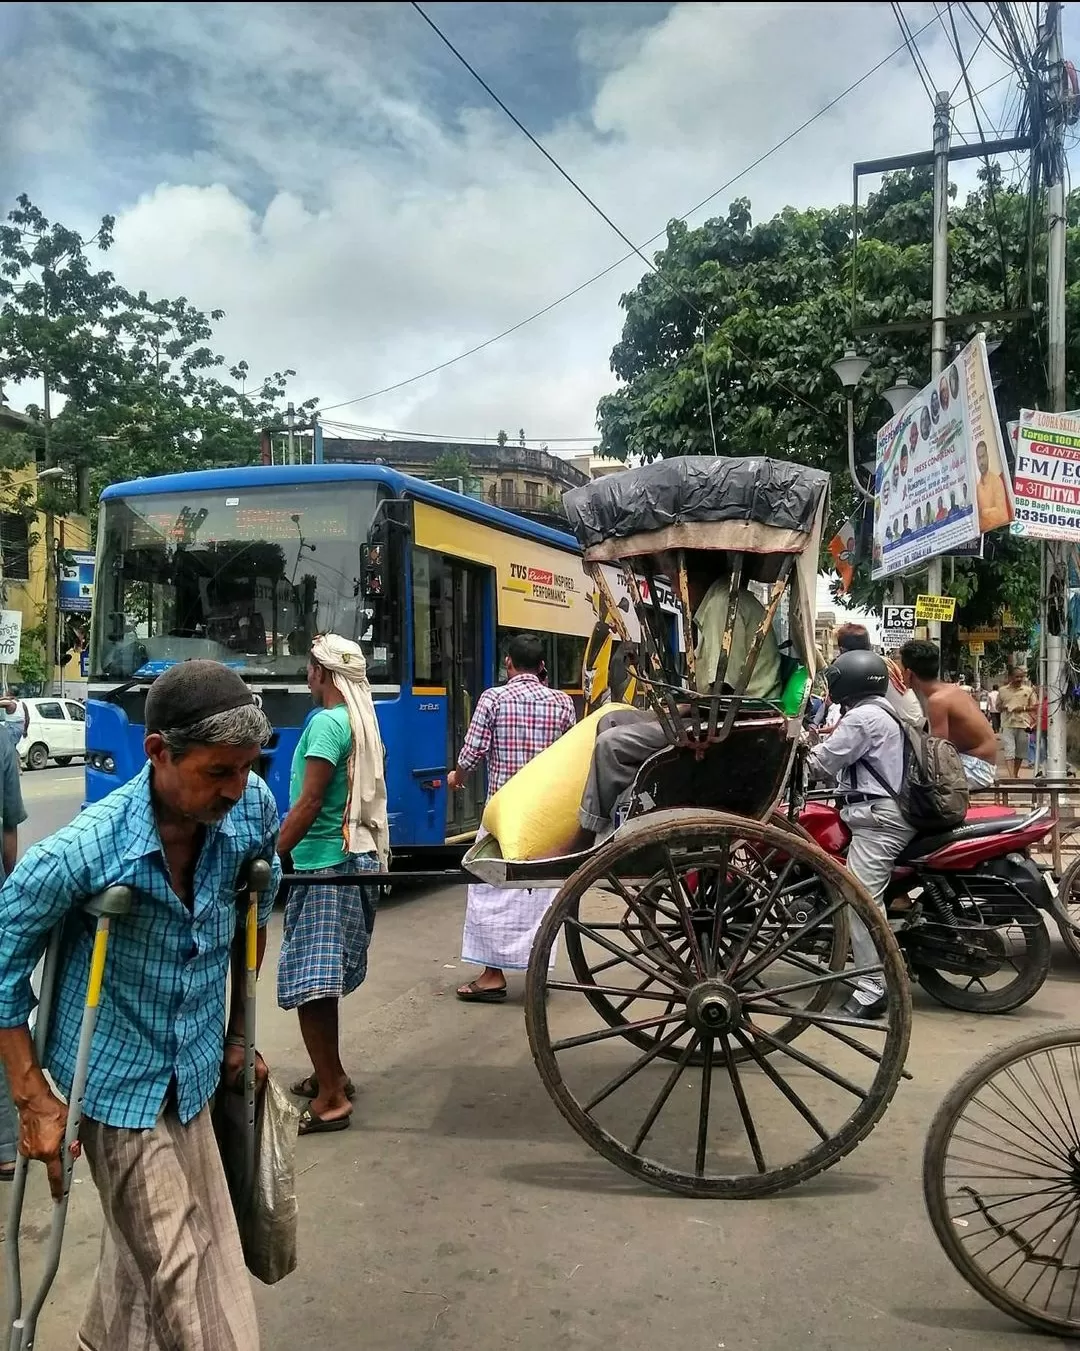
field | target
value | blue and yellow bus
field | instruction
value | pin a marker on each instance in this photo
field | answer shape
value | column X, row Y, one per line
column 245, row 566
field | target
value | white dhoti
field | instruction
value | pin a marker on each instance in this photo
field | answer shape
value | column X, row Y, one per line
column 501, row 925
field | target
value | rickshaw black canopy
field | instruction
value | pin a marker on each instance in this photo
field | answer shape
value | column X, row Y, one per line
column 697, row 490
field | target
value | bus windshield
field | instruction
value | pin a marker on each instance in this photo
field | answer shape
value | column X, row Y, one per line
column 246, row 576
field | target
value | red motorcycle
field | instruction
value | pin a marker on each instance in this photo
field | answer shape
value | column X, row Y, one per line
column 964, row 904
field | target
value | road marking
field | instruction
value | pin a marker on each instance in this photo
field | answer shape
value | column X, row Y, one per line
column 56, row 778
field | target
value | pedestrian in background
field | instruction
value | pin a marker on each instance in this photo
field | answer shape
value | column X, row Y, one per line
column 512, row 723
column 1017, row 701
column 993, row 710
column 337, row 823
column 12, row 815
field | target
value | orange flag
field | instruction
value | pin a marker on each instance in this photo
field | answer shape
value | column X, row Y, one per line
column 842, row 548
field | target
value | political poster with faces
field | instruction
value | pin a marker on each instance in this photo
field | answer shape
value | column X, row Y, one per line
column 940, row 480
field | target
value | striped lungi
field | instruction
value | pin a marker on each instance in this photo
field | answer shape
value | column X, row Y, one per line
column 171, row 1275
column 325, row 934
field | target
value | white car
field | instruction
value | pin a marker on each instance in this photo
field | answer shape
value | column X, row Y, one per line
column 56, row 730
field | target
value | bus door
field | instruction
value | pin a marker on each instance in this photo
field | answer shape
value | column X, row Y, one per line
column 463, row 648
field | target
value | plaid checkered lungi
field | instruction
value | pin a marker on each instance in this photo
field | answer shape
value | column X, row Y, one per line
column 327, row 930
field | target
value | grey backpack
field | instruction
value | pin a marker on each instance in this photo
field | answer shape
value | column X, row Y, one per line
column 934, row 794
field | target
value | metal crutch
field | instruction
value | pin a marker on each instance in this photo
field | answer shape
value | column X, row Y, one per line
column 106, row 906
column 257, row 882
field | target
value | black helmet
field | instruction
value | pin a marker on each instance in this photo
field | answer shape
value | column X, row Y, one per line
column 856, row 675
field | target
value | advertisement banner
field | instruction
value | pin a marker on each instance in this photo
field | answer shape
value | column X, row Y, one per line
column 10, row 636
column 1047, row 480
column 935, row 609
column 897, row 626
column 77, row 582
column 940, row 481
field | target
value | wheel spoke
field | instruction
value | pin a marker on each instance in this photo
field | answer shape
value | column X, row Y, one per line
column 781, row 1083
column 1036, row 1139
column 588, row 1038
column 718, row 913
column 706, row 1103
column 829, row 978
column 1001, row 1150
column 811, row 1064
column 664, row 1094
column 634, row 903
column 626, row 1075
column 767, row 958
column 625, row 956
column 744, row 1107
column 683, row 902
column 820, row 1019
column 640, row 993
column 759, row 919
column 1006, row 1144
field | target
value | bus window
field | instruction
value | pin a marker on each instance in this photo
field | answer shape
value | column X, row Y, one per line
column 245, row 576
column 569, row 655
column 427, row 581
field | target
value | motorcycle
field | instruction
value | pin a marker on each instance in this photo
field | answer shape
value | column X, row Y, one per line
column 964, row 904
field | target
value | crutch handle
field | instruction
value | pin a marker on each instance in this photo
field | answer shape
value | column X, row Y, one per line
column 113, row 901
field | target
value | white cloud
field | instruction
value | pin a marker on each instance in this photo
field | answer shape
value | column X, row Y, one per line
column 330, row 178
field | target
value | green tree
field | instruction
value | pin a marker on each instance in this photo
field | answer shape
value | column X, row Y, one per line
column 766, row 308
column 130, row 385
column 453, row 463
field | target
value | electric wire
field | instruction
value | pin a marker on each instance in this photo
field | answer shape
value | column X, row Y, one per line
column 705, row 201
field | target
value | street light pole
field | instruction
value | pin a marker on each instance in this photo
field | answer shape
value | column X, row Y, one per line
column 939, row 289
column 1056, row 557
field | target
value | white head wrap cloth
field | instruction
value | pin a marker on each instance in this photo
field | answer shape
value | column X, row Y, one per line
column 365, row 806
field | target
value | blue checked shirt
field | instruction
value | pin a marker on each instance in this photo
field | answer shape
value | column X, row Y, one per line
column 162, row 1013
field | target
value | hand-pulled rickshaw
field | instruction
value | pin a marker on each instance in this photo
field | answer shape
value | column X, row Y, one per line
column 697, row 1041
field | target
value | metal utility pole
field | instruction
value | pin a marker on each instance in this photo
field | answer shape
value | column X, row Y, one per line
column 939, row 295
column 290, row 419
column 1056, row 560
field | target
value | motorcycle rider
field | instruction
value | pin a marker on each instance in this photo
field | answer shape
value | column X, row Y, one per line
column 865, row 752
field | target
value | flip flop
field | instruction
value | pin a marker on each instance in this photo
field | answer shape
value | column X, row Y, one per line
column 477, row 994
column 309, row 1088
column 310, row 1124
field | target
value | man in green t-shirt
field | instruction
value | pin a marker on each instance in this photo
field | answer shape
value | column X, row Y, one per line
column 327, row 927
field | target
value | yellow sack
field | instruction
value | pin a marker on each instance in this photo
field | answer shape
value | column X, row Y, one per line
column 535, row 814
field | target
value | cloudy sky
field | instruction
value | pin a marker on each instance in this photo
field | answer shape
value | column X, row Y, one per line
column 333, row 179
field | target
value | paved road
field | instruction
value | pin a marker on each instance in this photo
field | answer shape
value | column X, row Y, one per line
column 52, row 797
column 460, row 1211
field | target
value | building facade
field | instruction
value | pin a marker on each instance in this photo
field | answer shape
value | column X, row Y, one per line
column 519, row 478
column 27, row 581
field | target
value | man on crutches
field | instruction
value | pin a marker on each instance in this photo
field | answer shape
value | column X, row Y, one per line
column 179, row 836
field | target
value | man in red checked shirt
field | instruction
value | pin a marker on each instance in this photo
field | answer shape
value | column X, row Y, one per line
column 511, row 724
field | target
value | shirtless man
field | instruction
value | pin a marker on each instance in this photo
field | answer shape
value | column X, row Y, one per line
column 954, row 715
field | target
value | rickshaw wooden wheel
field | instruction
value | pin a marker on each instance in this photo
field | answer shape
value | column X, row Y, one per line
column 717, row 1125
column 836, row 941
column 1069, row 894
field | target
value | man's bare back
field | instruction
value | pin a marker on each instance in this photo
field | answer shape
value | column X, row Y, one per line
column 955, row 715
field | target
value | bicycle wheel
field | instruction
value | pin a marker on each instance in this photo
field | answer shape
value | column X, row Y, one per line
column 1001, row 1178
